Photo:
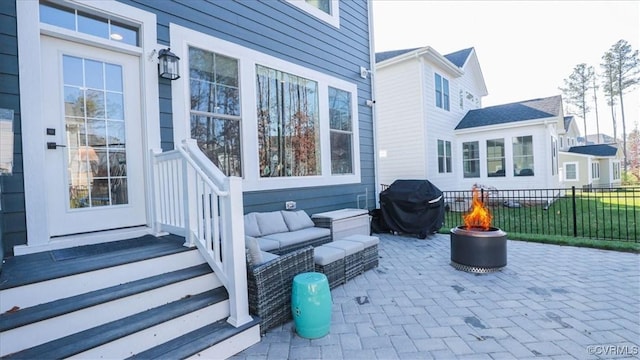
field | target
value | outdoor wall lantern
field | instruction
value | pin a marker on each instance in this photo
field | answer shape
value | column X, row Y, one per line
column 168, row 64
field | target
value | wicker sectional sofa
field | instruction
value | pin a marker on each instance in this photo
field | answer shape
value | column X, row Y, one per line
column 280, row 232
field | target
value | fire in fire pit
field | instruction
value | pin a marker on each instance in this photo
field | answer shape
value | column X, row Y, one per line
column 477, row 246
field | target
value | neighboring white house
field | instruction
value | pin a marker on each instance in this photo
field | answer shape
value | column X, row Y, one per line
column 430, row 125
column 421, row 96
column 597, row 164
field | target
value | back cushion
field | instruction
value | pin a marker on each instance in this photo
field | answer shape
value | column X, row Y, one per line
column 251, row 227
column 271, row 223
column 297, row 220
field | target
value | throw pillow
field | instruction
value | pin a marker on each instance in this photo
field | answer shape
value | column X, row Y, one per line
column 254, row 250
column 251, row 225
column 271, row 223
column 297, row 220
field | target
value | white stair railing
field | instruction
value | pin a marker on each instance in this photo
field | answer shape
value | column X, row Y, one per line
column 194, row 199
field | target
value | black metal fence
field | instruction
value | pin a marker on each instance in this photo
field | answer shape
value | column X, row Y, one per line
column 609, row 214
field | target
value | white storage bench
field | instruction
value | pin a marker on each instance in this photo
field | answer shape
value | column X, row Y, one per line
column 344, row 222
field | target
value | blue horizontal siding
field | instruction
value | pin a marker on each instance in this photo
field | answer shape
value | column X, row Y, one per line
column 12, row 215
column 282, row 30
column 276, row 28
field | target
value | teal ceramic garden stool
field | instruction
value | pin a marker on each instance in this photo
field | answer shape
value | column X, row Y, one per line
column 311, row 305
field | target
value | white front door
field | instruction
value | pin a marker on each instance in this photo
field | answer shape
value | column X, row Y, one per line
column 94, row 165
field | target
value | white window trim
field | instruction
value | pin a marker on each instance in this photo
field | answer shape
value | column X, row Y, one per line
column 182, row 38
column 577, row 170
column 332, row 19
column 29, row 30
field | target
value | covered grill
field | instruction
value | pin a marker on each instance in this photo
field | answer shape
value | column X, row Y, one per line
column 412, row 207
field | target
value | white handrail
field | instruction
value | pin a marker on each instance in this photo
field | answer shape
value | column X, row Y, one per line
column 194, row 199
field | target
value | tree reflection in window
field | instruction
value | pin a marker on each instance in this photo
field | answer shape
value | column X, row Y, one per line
column 215, row 108
column 288, row 131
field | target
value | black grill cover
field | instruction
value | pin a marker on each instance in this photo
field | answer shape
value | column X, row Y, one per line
column 413, row 207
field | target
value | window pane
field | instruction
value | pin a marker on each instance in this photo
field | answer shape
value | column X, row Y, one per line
column 495, row 158
column 341, row 149
column 113, row 77
column 339, row 109
column 324, row 5
column 54, row 15
column 94, row 76
column 219, row 139
column 288, row 124
column 123, row 33
column 471, row 159
column 340, row 122
column 72, row 69
column 445, row 91
column 93, row 25
column 523, row 156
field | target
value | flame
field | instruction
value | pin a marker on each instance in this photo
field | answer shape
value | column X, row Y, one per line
column 479, row 215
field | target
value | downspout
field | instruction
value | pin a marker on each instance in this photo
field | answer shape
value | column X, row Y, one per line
column 372, row 61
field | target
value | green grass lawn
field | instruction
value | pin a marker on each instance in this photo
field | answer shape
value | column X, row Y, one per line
column 606, row 220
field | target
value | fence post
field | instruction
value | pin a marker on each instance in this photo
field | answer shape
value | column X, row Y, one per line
column 575, row 215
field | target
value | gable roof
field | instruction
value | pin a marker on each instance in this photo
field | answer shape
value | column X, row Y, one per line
column 459, row 58
column 385, row 55
column 595, row 150
column 567, row 122
column 514, row 112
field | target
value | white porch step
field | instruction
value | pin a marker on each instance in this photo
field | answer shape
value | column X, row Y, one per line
column 137, row 306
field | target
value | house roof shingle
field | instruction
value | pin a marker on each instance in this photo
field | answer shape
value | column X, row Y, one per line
column 513, row 112
column 385, row 55
column 459, row 57
column 595, row 150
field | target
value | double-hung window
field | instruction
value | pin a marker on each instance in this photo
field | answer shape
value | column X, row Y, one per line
column 215, row 108
column 471, row 159
column 444, row 156
column 442, row 92
column 595, row 170
column 495, row 158
column 341, row 134
column 523, row 156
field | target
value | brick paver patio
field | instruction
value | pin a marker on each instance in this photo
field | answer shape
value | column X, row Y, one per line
column 550, row 301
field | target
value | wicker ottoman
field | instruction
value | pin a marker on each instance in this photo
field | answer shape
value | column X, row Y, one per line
column 353, row 252
column 330, row 261
column 370, row 254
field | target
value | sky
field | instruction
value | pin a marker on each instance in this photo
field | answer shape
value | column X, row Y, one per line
column 525, row 48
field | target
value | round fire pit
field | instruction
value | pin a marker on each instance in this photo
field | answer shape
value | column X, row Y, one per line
column 478, row 250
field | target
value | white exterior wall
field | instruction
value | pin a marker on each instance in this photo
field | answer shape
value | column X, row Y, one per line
column 440, row 124
column 542, row 178
column 400, row 122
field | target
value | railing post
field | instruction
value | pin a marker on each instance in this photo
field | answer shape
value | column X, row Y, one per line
column 234, row 258
column 575, row 215
column 189, row 194
column 155, row 191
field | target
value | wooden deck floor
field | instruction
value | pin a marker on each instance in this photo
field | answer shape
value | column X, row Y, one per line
column 32, row 268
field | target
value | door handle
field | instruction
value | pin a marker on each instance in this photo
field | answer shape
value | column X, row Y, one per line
column 53, row 146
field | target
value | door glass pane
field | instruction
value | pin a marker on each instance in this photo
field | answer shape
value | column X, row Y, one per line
column 96, row 149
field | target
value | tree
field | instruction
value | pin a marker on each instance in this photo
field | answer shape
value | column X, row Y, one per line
column 595, row 88
column 609, row 87
column 626, row 67
column 576, row 87
column 634, row 150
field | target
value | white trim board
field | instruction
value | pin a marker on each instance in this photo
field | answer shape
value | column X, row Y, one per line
column 182, row 38
column 28, row 31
